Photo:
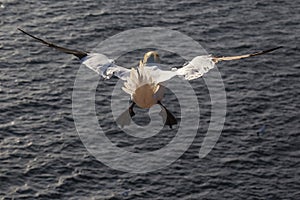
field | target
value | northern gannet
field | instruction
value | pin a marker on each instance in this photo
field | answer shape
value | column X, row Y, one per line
column 145, row 83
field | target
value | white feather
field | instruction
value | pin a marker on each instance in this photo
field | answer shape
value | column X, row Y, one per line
column 137, row 78
column 104, row 66
column 146, row 74
column 196, row 67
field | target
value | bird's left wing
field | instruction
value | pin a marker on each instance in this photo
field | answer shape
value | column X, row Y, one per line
column 97, row 62
column 77, row 53
column 105, row 66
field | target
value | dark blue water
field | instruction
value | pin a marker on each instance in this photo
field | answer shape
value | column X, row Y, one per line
column 41, row 155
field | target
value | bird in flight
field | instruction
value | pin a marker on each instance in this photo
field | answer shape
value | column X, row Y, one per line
column 146, row 83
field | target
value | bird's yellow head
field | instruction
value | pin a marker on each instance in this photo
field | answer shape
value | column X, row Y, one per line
column 151, row 57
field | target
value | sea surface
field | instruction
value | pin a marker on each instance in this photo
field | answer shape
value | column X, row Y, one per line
column 42, row 155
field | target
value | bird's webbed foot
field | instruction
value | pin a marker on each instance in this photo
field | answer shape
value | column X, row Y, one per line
column 168, row 117
column 125, row 118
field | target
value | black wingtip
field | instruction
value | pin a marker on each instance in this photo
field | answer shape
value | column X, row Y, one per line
column 22, row 31
column 273, row 49
column 265, row 51
column 34, row 37
column 77, row 53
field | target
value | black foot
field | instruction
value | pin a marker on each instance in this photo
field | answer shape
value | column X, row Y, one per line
column 170, row 120
column 130, row 109
column 125, row 118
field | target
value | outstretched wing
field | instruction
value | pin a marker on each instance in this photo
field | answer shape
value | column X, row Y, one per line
column 202, row 64
column 97, row 62
column 218, row 59
column 77, row 53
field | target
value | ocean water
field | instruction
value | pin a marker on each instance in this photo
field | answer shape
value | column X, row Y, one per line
column 42, row 156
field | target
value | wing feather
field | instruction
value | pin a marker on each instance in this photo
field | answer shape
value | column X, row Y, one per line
column 202, row 64
column 224, row 58
column 77, row 53
column 97, row 62
column 105, row 66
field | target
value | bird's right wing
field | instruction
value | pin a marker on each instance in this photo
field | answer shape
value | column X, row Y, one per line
column 225, row 58
column 196, row 68
column 202, row 64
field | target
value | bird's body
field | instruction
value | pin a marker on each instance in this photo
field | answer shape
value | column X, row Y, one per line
column 145, row 83
column 143, row 87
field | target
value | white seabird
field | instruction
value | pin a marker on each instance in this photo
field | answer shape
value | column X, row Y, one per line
column 145, row 83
